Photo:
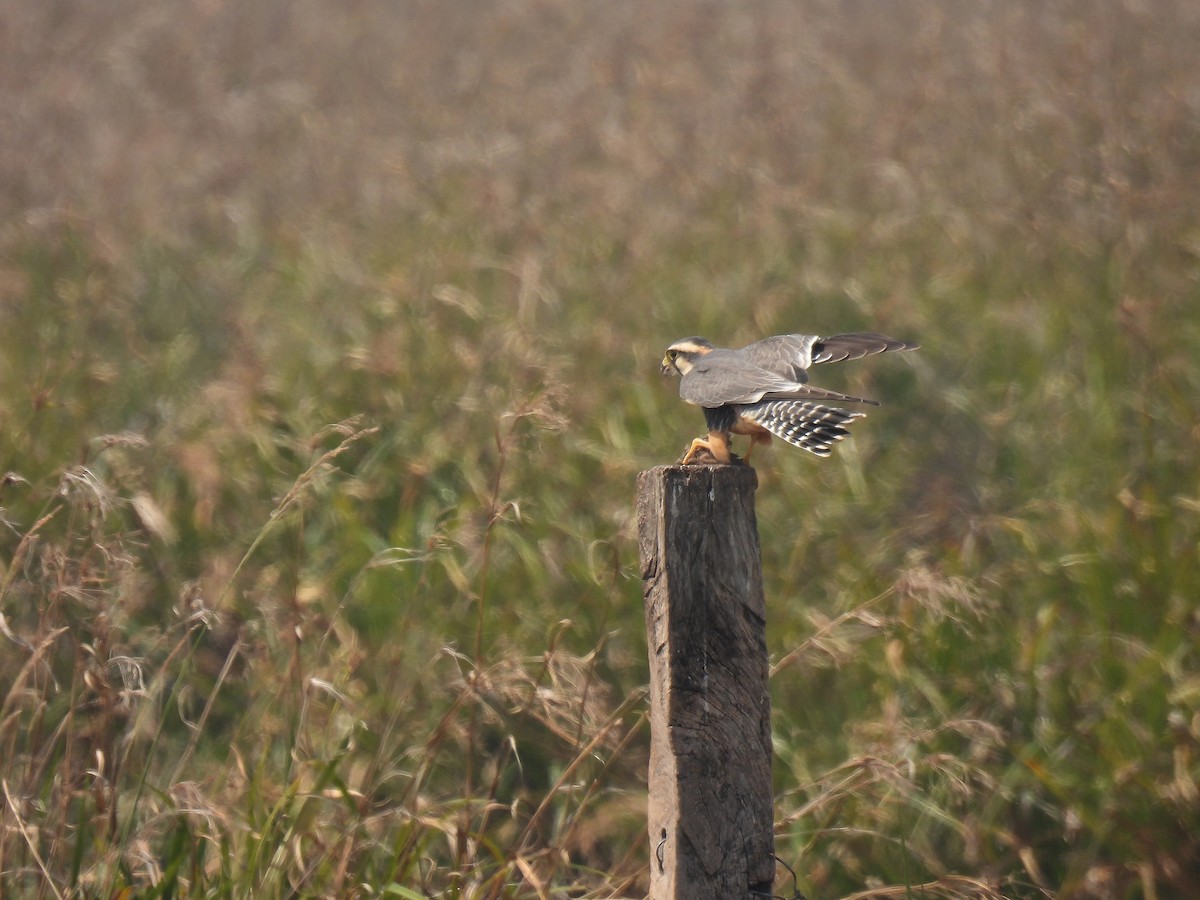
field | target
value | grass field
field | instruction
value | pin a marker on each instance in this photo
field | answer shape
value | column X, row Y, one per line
column 329, row 338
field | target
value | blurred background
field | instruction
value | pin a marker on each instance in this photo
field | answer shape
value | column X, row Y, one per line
column 329, row 342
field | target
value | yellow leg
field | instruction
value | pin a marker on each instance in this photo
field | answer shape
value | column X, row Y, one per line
column 717, row 444
column 755, row 439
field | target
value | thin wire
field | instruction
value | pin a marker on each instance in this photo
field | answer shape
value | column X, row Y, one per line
column 796, row 895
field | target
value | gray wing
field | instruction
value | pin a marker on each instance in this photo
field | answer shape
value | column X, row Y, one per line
column 728, row 376
column 725, row 377
column 790, row 354
column 841, row 347
column 785, row 354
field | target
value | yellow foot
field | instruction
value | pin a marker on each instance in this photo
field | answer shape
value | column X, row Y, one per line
column 715, row 445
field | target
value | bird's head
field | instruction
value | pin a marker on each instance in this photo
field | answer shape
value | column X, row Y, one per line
column 682, row 355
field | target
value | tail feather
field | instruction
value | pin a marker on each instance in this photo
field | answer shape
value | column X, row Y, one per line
column 810, row 426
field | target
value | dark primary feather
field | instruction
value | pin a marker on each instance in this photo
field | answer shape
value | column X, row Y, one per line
column 841, row 347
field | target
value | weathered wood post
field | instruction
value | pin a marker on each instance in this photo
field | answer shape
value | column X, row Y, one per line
column 710, row 810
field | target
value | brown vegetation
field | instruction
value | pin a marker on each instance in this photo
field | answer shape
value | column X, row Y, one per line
column 246, row 651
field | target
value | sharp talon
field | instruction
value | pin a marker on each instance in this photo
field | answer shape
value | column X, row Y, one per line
column 697, row 444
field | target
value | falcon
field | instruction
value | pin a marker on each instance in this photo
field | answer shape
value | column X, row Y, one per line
column 762, row 389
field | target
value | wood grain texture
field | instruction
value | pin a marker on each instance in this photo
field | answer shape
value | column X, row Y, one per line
column 710, row 809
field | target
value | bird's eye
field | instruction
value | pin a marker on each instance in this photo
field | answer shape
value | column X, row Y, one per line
column 671, row 354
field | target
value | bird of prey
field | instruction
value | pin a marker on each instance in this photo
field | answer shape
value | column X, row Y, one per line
column 763, row 390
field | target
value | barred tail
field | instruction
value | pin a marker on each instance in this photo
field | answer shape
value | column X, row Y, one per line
column 805, row 424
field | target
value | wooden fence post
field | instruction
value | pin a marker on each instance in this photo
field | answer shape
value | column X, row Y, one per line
column 711, row 815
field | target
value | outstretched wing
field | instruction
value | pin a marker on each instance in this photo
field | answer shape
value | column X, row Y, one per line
column 784, row 354
column 790, row 354
column 841, row 347
column 774, row 369
column 724, row 377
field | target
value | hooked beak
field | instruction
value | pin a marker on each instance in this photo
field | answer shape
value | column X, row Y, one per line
column 667, row 366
